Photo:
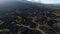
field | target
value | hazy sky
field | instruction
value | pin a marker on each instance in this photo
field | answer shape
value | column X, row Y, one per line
column 47, row 1
column 50, row 1
column 41, row 1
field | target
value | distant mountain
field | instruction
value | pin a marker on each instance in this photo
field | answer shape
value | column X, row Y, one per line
column 12, row 5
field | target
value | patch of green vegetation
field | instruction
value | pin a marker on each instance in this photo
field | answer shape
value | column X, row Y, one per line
column 57, row 14
column 4, row 30
column 1, row 22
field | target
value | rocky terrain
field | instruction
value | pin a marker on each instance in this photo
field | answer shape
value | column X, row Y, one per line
column 27, row 18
